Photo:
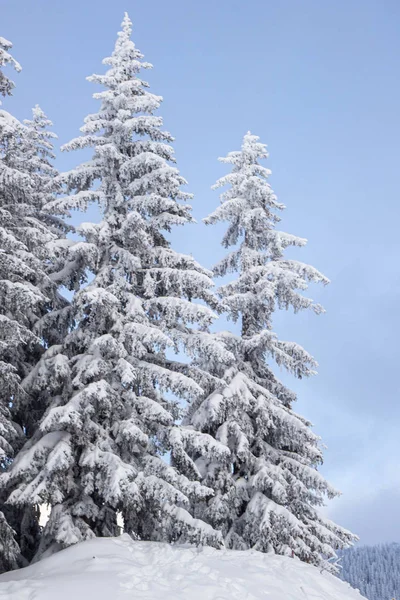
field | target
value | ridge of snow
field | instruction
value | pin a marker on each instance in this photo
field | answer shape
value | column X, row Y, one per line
column 120, row 568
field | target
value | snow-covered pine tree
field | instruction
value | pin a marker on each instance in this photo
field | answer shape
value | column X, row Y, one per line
column 29, row 267
column 100, row 447
column 8, row 377
column 32, row 312
column 6, row 85
column 267, row 497
column 9, row 380
column 58, row 257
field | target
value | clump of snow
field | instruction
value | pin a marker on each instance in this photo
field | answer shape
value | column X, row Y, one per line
column 120, row 568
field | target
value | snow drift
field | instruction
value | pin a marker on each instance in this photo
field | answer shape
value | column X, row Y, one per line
column 119, row 568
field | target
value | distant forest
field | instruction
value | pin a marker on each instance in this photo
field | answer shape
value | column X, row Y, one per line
column 374, row 570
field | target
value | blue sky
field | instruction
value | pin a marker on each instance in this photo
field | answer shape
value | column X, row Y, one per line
column 318, row 82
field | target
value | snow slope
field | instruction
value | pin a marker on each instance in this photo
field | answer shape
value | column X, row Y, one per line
column 119, row 568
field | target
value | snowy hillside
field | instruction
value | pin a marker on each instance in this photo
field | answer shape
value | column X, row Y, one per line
column 118, row 568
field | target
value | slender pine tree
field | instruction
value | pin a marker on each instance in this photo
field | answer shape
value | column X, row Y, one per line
column 267, row 496
column 100, row 446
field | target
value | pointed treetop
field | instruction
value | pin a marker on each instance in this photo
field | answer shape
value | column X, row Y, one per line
column 251, row 150
column 40, row 121
column 251, row 144
column 125, row 59
column 124, row 36
column 126, row 26
column 38, row 113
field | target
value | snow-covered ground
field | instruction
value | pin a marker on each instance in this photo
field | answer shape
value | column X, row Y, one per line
column 119, row 568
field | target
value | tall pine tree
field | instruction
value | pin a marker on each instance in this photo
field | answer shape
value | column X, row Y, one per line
column 100, row 447
column 32, row 311
column 267, row 496
column 11, row 335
